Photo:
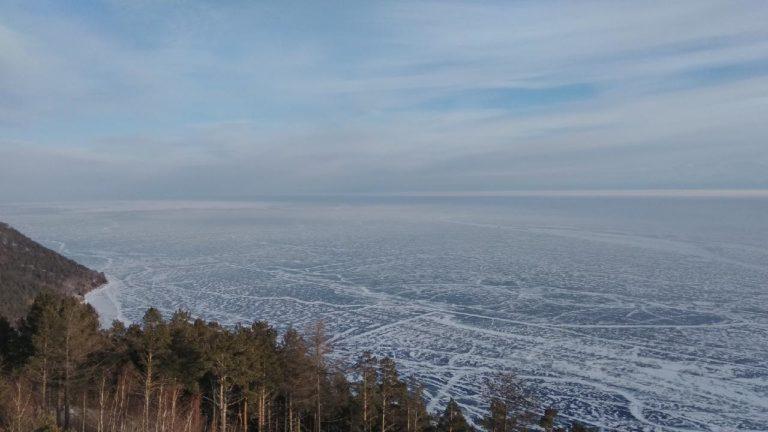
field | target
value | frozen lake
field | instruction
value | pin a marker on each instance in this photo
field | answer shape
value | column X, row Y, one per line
column 630, row 313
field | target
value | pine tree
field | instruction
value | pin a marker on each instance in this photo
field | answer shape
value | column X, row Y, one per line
column 453, row 419
column 510, row 403
column 341, row 405
column 580, row 427
column 497, row 419
column 418, row 419
column 391, row 396
column 187, row 360
column 10, row 357
column 149, row 345
column 547, row 421
column 319, row 348
column 263, row 366
column 297, row 379
column 366, row 391
column 37, row 340
column 79, row 337
column 226, row 355
column 57, row 336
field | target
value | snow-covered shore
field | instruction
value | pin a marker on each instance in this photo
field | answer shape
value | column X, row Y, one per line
column 104, row 300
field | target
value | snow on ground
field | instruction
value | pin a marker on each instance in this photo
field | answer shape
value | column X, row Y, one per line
column 105, row 300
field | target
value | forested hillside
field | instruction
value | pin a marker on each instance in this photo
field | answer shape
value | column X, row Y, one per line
column 62, row 372
column 28, row 268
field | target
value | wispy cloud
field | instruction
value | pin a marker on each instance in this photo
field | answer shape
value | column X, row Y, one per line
column 209, row 99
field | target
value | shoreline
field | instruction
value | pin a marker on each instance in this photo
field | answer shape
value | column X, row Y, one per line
column 104, row 301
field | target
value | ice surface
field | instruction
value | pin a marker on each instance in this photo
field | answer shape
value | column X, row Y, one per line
column 632, row 314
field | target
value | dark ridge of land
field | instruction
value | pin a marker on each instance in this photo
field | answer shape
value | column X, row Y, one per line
column 28, row 268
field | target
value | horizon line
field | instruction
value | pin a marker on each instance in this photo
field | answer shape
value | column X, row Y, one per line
column 544, row 193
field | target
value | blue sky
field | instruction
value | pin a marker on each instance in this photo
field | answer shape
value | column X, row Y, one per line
column 226, row 99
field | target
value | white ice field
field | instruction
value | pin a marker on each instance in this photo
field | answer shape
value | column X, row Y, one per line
column 629, row 313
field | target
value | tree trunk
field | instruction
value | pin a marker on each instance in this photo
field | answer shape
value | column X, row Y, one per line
column 285, row 415
column 147, row 391
column 59, row 414
column 123, row 413
column 290, row 414
column 67, row 379
column 45, row 382
column 365, row 402
column 66, row 398
column 245, row 413
column 214, row 408
column 159, row 412
column 82, row 415
column 175, row 396
column 100, row 425
column 223, row 405
column 383, row 413
column 262, row 409
column 408, row 417
column 115, row 403
column 318, row 415
column 188, row 424
column 20, row 403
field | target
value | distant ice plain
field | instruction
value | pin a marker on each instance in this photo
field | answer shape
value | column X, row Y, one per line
column 632, row 313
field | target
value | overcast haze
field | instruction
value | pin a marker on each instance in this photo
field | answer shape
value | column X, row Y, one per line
column 142, row 99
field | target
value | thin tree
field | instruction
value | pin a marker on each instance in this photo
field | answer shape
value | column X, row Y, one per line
column 319, row 347
column 38, row 336
column 510, row 403
column 297, row 385
column 366, row 369
column 150, row 344
column 453, row 419
column 79, row 337
column 392, row 393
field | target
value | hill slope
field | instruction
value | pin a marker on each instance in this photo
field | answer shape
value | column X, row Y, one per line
column 27, row 268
